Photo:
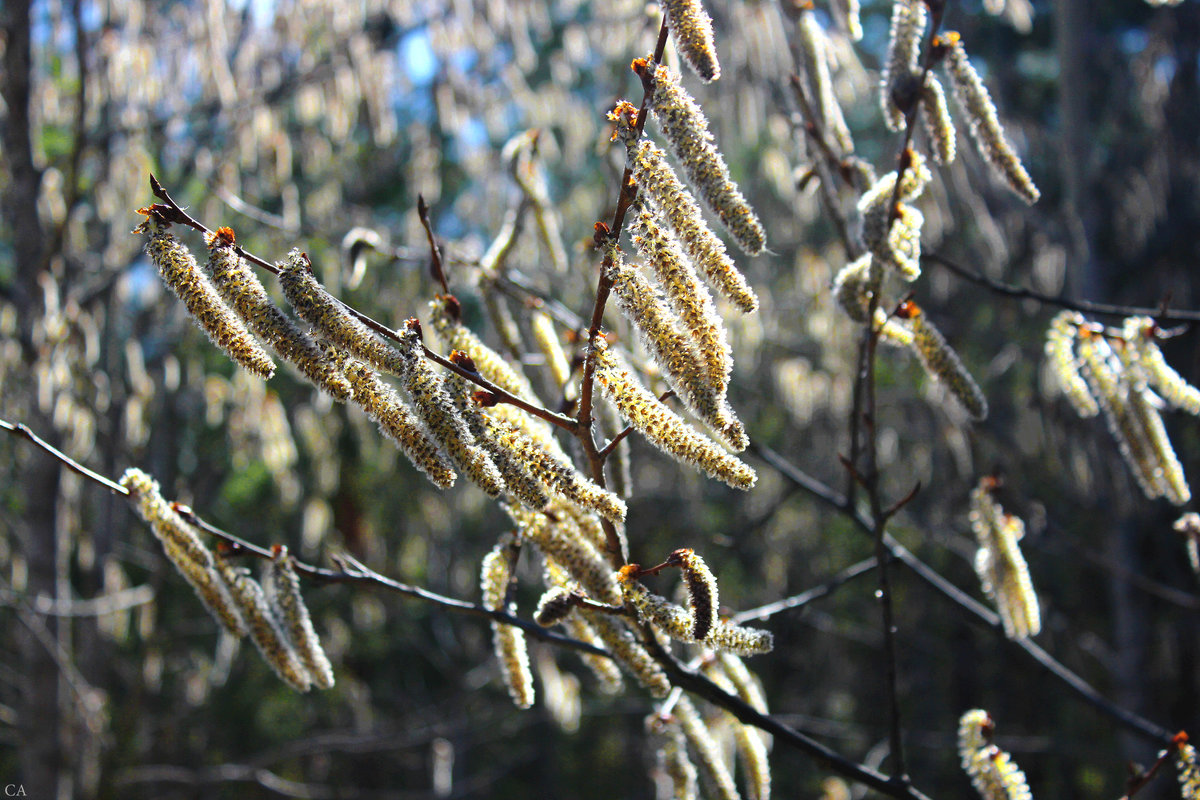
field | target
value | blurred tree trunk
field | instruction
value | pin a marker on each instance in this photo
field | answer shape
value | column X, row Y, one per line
column 41, row 755
column 1073, row 24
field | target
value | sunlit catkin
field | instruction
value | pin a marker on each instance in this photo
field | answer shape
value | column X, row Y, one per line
column 1060, row 350
column 507, row 640
column 1186, row 768
column 662, row 427
column 893, row 233
column 670, row 198
column 686, row 130
column 182, row 274
column 264, row 628
column 446, row 316
column 283, row 594
column 751, row 745
column 900, row 72
column 1142, row 335
column 1000, row 565
column 939, row 125
column 547, row 339
column 672, row 756
column 559, row 541
column 673, row 352
column 985, row 127
column 941, row 362
column 331, row 319
column 740, row 640
column 240, row 287
column 398, row 423
column 183, row 547
column 693, row 31
column 814, row 47
column 709, row 759
column 673, row 620
column 701, row 588
column 992, row 771
column 629, row 653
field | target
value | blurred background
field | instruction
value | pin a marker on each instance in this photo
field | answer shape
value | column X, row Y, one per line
column 296, row 123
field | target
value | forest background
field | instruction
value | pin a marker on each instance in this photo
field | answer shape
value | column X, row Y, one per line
column 296, row 122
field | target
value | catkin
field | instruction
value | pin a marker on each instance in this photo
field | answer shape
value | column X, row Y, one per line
column 397, row 422
column 707, row 752
column 941, row 362
column 445, row 314
column 895, row 238
column 693, row 31
column 985, row 127
column 814, row 47
column 1188, row 526
column 1141, row 333
column 316, row 306
column 667, row 194
column 740, row 640
column 560, row 542
column 686, row 130
column 992, row 770
column 1000, row 565
column 900, row 70
column 242, row 290
column 507, row 640
column 283, row 595
column 545, row 336
column 702, row 591
column 848, row 14
column 672, row 352
column 662, row 427
column 751, row 745
column 673, row 620
column 938, row 123
column 1060, row 350
column 672, row 756
column 183, row 547
column 629, row 653
column 1186, row 768
column 180, row 272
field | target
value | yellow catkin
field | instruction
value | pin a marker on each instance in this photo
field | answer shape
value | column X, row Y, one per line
column 397, row 422
column 740, row 640
column 628, row 652
column 941, row 362
column 900, row 70
column 607, row 673
column 1142, row 333
column 331, row 319
column 751, row 744
column 664, row 428
column 815, row 50
column 703, row 598
column 436, row 410
column 445, row 316
column 985, row 127
column 1060, row 350
column 1165, row 463
column 848, row 15
column 939, row 125
column 553, row 607
column 264, row 628
column 240, row 287
column 686, row 130
column 1186, row 768
column 283, row 594
column 687, row 295
column 992, row 771
column 546, row 337
column 673, row 620
column 560, row 542
column 693, row 32
column 1000, row 565
column 708, row 754
column 184, row 548
column 673, row 763
column 672, row 352
column 895, row 238
column 667, row 194
column 507, row 640
column 181, row 273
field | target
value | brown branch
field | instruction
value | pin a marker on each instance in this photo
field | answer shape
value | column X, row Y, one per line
column 804, row 598
column 435, row 252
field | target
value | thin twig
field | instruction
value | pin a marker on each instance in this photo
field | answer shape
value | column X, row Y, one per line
column 804, row 598
column 606, row 451
column 22, row 430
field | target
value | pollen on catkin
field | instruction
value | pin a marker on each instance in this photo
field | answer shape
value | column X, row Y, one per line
column 815, row 51
column 1060, row 350
column 1000, row 565
column 242, row 290
column 686, row 130
column 673, row 352
column 702, row 590
column 893, row 234
column 985, row 126
column 264, row 628
column 740, row 640
column 900, row 71
column 662, row 427
column 559, row 541
column 939, row 125
column 183, row 547
column 941, row 362
column 628, row 652
column 670, row 198
column 331, row 319
column 708, row 754
column 507, row 640
column 1186, row 768
column 693, row 31
column 397, row 422
column 675, row 621
column 181, row 273
column 283, row 596
column 445, row 314
column 992, row 771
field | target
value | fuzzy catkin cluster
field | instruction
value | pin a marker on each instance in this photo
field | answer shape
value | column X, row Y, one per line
column 814, row 47
column 1186, row 768
column 992, row 770
column 1124, row 375
column 900, row 65
column 1000, row 565
column 692, row 30
column 508, row 641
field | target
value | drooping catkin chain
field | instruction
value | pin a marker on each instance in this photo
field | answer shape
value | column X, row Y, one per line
column 685, row 128
column 939, row 125
column 893, row 235
column 181, row 273
column 750, row 744
column 1000, row 565
column 692, row 29
column 1145, row 416
column 992, row 770
column 1142, row 335
column 508, row 641
column 661, row 426
column 242, row 290
column 1060, row 350
column 941, row 362
column 283, row 595
column 708, row 754
column 670, row 198
column 814, row 47
column 900, row 71
column 673, row 352
column 985, row 126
